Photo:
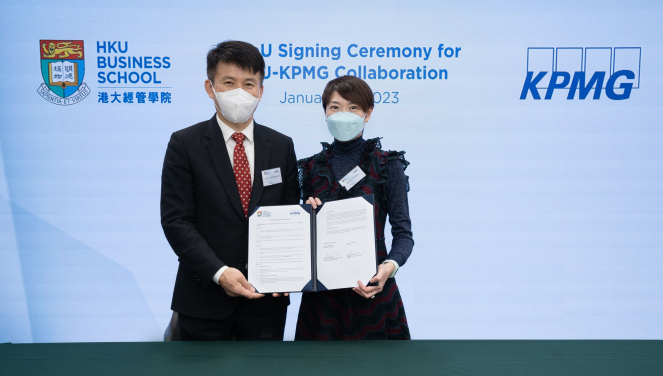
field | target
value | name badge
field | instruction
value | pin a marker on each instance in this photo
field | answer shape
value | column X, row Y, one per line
column 352, row 178
column 271, row 177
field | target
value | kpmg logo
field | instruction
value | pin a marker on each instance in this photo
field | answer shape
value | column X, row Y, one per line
column 62, row 68
column 582, row 71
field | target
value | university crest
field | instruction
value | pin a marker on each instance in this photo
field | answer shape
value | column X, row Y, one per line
column 63, row 68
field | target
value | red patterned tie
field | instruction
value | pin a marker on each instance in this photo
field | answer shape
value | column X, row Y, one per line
column 242, row 171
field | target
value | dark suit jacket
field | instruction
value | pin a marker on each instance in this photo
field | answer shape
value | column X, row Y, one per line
column 202, row 216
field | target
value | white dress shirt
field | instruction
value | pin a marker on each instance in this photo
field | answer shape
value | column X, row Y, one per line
column 250, row 155
column 230, row 143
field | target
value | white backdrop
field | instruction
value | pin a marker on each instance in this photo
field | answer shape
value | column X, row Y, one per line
column 531, row 218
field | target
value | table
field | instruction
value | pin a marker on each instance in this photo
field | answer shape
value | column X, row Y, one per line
column 408, row 358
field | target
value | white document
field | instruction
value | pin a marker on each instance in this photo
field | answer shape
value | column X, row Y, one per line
column 345, row 243
column 279, row 248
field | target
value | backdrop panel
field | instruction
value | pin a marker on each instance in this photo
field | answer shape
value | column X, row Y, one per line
column 532, row 128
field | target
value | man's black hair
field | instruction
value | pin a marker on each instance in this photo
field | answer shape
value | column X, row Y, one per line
column 244, row 55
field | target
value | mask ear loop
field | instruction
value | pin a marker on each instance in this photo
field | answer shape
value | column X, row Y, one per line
column 218, row 108
column 363, row 126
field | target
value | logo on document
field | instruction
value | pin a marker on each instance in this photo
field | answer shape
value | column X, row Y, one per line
column 259, row 214
column 582, row 71
column 63, row 69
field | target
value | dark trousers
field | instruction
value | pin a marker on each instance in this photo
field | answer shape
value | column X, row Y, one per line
column 245, row 324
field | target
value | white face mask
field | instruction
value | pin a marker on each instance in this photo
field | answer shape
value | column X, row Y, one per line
column 237, row 106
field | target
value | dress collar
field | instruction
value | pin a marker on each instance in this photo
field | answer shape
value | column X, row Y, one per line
column 347, row 147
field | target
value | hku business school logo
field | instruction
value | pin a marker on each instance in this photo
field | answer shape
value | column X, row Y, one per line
column 63, row 68
column 581, row 71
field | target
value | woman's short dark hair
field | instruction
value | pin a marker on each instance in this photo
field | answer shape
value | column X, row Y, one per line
column 244, row 55
column 352, row 89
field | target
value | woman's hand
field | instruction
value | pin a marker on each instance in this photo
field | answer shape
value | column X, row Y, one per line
column 384, row 271
column 314, row 202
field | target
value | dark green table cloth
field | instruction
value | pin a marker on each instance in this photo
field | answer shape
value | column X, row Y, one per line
column 406, row 358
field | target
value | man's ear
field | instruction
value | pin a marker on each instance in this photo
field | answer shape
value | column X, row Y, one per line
column 208, row 89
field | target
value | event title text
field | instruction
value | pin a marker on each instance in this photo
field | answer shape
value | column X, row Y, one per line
column 355, row 51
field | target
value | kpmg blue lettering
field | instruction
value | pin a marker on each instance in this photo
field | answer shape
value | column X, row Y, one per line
column 530, row 85
column 289, row 72
column 627, row 86
column 579, row 84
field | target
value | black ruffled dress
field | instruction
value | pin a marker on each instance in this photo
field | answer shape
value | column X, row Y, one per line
column 343, row 314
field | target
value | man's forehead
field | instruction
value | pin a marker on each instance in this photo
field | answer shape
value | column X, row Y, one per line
column 235, row 71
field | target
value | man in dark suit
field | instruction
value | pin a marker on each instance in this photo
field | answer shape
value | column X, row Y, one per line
column 211, row 182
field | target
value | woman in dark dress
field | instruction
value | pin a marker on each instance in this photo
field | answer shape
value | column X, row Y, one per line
column 363, row 312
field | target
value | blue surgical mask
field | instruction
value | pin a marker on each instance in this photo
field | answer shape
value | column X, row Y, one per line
column 345, row 126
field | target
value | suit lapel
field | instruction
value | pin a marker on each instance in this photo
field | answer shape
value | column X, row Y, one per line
column 261, row 162
column 216, row 146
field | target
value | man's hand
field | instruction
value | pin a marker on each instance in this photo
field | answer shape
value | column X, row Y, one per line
column 234, row 283
column 384, row 271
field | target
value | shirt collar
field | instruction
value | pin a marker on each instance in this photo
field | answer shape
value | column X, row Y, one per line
column 228, row 132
